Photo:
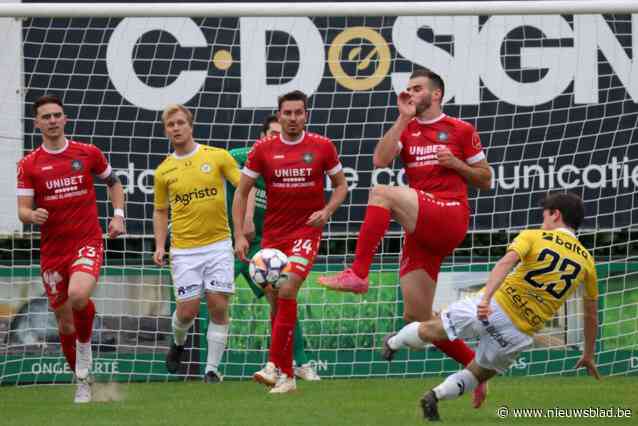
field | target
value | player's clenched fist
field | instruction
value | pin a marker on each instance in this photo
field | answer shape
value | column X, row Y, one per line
column 158, row 256
column 447, row 159
column 406, row 105
column 39, row 216
column 116, row 227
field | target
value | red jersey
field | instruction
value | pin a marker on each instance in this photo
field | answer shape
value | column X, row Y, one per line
column 62, row 183
column 294, row 173
column 422, row 139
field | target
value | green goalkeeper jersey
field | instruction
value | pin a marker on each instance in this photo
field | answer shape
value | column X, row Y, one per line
column 240, row 155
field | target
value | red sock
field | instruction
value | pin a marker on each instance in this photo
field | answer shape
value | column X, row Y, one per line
column 375, row 225
column 282, row 335
column 456, row 349
column 67, row 341
column 83, row 321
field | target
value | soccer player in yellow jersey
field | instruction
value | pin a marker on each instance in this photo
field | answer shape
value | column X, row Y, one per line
column 192, row 182
column 515, row 304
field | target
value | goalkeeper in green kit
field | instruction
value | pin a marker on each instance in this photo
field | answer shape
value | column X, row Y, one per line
column 253, row 230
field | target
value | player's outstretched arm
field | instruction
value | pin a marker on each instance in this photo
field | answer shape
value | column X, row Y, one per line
column 116, row 195
column 591, row 328
column 240, row 203
column 27, row 214
column 160, row 231
column 388, row 146
column 503, row 267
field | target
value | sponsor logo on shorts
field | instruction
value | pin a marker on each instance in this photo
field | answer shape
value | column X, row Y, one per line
column 222, row 284
column 84, row 262
column 51, row 279
column 298, row 259
column 495, row 334
column 186, row 289
column 449, row 321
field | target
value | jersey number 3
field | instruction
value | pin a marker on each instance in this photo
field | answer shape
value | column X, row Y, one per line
column 567, row 265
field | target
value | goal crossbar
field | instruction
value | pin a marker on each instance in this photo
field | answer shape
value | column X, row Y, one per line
column 70, row 10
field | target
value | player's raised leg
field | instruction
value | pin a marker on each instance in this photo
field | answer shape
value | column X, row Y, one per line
column 385, row 202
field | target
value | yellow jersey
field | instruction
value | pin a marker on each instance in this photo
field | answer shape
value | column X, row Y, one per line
column 553, row 264
column 194, row 186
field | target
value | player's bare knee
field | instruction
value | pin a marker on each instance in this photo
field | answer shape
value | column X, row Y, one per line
column 218, row 312
column 79, row 297
column 380, row 196
column 186, row 312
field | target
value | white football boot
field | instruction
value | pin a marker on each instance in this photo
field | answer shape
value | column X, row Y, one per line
column 267, row 376
column 83, row 392
column 307, row 372
column 285, row 384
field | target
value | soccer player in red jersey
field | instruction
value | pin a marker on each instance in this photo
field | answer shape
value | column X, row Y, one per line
column 293, row 165
column 55, row 191
column 441, row 156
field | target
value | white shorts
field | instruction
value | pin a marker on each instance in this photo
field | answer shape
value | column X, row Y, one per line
column 211, row 269
column 500, row 341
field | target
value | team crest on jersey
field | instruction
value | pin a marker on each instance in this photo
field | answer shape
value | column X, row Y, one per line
column 206, row 168
column 76, row 165
column 442, row 136
column 308, row 157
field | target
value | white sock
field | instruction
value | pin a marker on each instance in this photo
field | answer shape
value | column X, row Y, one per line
column 180, row 330
column 216, row 336
column 456, row 385
column 408, row 336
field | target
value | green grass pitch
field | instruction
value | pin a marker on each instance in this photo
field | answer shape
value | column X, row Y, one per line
column 329, row 402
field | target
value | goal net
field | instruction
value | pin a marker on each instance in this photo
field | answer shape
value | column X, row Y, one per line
column 554, row 98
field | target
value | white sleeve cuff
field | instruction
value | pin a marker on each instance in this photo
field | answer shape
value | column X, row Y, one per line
column 106, row 172
column 250, row 173
column 336, row 169
column 475, row 158
column 25, row 192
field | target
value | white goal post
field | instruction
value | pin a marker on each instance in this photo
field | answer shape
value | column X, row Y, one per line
column 551, row 86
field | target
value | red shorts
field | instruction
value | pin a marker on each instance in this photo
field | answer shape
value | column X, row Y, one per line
column 56, row 271
column 301, row 253
column 440, row 228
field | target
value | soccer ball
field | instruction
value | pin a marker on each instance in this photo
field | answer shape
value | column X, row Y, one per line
column 268, row 266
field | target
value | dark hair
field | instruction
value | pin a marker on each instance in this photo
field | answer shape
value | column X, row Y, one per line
column 266, row 125
column 295, row 95
column 46, row 99
column 570, row 206
column 436, row 82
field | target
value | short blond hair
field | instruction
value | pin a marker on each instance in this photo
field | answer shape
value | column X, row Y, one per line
column 172, row 109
